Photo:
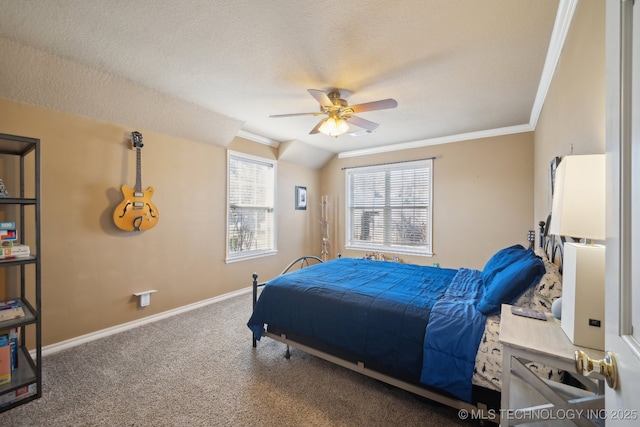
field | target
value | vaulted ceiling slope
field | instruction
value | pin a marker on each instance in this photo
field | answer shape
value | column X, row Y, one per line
column 210, row 69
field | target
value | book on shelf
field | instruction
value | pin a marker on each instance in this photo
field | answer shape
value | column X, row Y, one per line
column 8, row 234
column 13, row 347
column 5, row 248
column 5, row 360
column 11, row 310
column 19, row 394
column 13, row 250
column 7, row 225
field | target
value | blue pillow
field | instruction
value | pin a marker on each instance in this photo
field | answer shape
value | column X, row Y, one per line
column 501, row 260
column 507, row 285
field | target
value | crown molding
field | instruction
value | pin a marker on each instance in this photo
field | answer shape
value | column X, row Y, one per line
column 257, row 138
column 566, row 10
column 435, row 141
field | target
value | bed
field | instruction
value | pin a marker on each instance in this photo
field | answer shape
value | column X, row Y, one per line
column 431, row 331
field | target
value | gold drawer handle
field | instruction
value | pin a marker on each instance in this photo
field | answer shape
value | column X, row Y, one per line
column 606, row 367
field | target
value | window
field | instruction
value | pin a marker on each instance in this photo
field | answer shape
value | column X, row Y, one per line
column 250, row 206
column 389, row 207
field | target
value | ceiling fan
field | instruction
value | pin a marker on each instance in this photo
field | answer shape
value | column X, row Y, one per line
column 339, row 112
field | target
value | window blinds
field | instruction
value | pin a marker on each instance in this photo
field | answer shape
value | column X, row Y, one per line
column 389, row 206
column 251, row 189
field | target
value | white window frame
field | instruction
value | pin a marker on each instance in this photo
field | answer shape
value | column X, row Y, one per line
column 234, row 256
column 352, row 243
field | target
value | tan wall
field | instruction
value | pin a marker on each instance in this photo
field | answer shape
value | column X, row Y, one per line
column 573, row 116
column 90, row 269
column 481, row 197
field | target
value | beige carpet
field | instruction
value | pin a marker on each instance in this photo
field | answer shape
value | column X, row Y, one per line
column 199, row 369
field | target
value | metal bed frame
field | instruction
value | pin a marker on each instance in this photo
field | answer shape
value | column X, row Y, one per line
column 551, row 245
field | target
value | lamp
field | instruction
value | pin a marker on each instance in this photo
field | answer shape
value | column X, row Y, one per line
column 578, row 212
column 334, row 125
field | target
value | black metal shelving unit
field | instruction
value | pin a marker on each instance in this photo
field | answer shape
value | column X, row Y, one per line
column 25, row 277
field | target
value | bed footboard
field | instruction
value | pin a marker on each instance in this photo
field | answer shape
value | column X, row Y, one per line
column 302, row 262
column 256, row 285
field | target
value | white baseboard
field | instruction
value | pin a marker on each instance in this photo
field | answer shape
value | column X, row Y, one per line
column 63, row 345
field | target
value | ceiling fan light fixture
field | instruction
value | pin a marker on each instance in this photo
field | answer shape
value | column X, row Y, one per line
column 338, row 111
column 334, row 126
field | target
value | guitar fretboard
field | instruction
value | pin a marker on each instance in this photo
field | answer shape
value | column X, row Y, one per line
column 137, row 143
column 138, row 171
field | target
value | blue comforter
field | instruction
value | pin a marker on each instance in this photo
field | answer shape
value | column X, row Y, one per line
column 378, row 310
column 453, row 335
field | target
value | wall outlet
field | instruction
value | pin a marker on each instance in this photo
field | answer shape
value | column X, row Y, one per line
column 145, row 297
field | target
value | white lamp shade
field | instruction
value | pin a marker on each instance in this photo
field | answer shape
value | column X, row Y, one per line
column 579, row 197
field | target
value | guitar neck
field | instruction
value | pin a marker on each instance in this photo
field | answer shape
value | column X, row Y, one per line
column 138, row 188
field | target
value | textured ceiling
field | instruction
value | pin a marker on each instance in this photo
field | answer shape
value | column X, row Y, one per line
column 455, row 67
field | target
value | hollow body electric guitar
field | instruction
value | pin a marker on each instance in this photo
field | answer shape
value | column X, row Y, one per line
column 136, row 212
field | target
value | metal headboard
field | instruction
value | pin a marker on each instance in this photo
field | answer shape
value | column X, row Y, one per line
column 551, row 244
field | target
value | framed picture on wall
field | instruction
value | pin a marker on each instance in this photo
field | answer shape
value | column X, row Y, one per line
column 301, row 198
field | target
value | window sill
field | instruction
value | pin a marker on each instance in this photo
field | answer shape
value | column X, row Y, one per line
column 254, row 255
column 390, row 250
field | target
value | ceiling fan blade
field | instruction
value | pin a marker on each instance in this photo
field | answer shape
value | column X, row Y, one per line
column 375, row 105
column 361, row 132
column 321, row 97
column 362, row 123
column 317, row 113
column 317, row 128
